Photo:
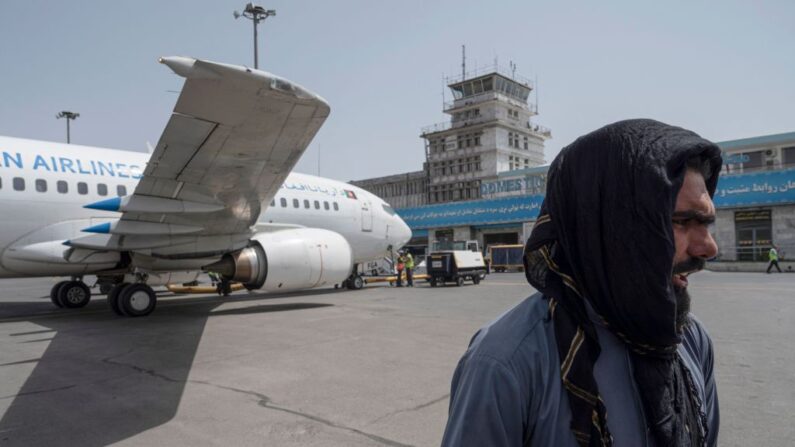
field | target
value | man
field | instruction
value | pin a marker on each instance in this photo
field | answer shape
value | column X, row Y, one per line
column 401, row 264
column 607, row 353
column 409, row 269
column 772, row 256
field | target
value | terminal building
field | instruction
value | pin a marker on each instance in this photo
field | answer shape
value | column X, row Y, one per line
column 484, row 177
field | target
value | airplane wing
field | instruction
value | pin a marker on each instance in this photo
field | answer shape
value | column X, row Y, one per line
column 234, row 136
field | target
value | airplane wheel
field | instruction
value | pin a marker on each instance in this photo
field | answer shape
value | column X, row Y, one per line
column 137, row 300
column 54, row 292
column 356, row 282
column 113, row 298
column 459, row 281
column 74, row 294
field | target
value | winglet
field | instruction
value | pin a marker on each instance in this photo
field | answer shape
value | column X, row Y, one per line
column 103, row 228
column 105, row 205
column 187, row 67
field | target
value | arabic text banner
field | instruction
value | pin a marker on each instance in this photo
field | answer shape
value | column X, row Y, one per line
column 477, row 212
column 758, row 188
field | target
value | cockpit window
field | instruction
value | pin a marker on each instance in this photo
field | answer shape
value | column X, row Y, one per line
column 388, row 209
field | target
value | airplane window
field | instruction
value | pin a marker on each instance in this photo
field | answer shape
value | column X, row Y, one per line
column 19, row 184
column 317, row 205
column 296, row 203
column 306, row 204
column 325, row 205
column 121, row 190
column 283, row 201
column 1, row 183
column 82, row 188
column 388, row 209
column 102, row 189
column 62, row 187
column 273, row 202
column 336, row 207
column 41, row 185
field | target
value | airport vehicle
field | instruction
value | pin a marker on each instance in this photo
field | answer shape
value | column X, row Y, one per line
column 455, row 262
column 506, row 257
column 215, row 195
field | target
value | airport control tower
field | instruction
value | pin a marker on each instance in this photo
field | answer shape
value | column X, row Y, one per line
column 490, row 131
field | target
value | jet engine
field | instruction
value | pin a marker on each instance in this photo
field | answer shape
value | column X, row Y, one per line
column 289, row 259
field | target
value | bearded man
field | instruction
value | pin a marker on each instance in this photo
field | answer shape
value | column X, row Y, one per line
column 607, row 353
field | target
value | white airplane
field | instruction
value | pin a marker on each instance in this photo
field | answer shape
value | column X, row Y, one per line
column 215, row 195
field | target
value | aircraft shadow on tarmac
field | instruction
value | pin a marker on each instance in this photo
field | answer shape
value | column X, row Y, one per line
column 103, row 378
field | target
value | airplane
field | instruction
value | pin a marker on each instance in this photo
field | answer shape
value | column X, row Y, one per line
column 215, row 195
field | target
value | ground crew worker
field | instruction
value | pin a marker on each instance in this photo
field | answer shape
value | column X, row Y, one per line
column 401, row 264
column 409, row 269
column 772, row 255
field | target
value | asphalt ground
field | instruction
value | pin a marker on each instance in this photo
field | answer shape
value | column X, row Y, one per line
column 327, row 367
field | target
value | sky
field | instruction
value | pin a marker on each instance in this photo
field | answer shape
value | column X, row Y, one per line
column 723, row 69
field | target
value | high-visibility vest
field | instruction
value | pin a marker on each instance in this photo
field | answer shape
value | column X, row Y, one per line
column 772, row 254
column 409, row 261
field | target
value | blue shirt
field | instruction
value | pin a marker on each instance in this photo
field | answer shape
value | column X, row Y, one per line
column 506, row 390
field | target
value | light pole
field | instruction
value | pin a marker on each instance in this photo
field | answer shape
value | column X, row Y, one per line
column 69, row 116
column 255, row 13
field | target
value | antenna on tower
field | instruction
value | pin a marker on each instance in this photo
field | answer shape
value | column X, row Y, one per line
column 463, row 62
column 513, row 69
column 443, row 98
column 536, row 86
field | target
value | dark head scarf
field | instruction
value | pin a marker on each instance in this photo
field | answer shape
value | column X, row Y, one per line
column 604, row 235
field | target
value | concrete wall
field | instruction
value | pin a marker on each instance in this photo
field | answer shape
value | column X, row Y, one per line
column 724, row 234
column 783, row 223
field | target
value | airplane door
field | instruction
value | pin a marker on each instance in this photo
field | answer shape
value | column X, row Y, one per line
column 367, row 217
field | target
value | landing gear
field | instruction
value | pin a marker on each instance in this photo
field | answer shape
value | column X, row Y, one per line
column 70, row 294
column 54, row 293
column 132, row 300
column 355, row 281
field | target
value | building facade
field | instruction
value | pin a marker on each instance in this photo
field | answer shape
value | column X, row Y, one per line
column 484, row 177
column 755, row 202
column 489, row 132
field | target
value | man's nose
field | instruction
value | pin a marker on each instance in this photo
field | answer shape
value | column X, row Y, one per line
column 702, row 244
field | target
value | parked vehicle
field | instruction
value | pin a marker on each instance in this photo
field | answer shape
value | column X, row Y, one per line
column 506, row 257
column 456, row 262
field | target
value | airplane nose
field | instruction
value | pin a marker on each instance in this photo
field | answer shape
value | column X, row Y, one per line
column 402, row 233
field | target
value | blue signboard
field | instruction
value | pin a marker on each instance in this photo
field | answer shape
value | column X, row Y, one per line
column 477, row 212
column 758, row 188
column 753, row 189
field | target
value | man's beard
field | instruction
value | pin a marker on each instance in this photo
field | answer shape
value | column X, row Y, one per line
column 681, row 294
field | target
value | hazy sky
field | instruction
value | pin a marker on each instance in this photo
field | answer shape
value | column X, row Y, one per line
column 724, row 69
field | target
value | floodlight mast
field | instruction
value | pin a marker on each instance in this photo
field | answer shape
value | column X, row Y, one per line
column 255, row 13
column 69, row 117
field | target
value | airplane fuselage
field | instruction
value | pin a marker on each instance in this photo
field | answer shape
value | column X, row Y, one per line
column 44, row 186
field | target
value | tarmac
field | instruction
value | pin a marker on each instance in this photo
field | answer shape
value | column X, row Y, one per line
column 327, row 367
